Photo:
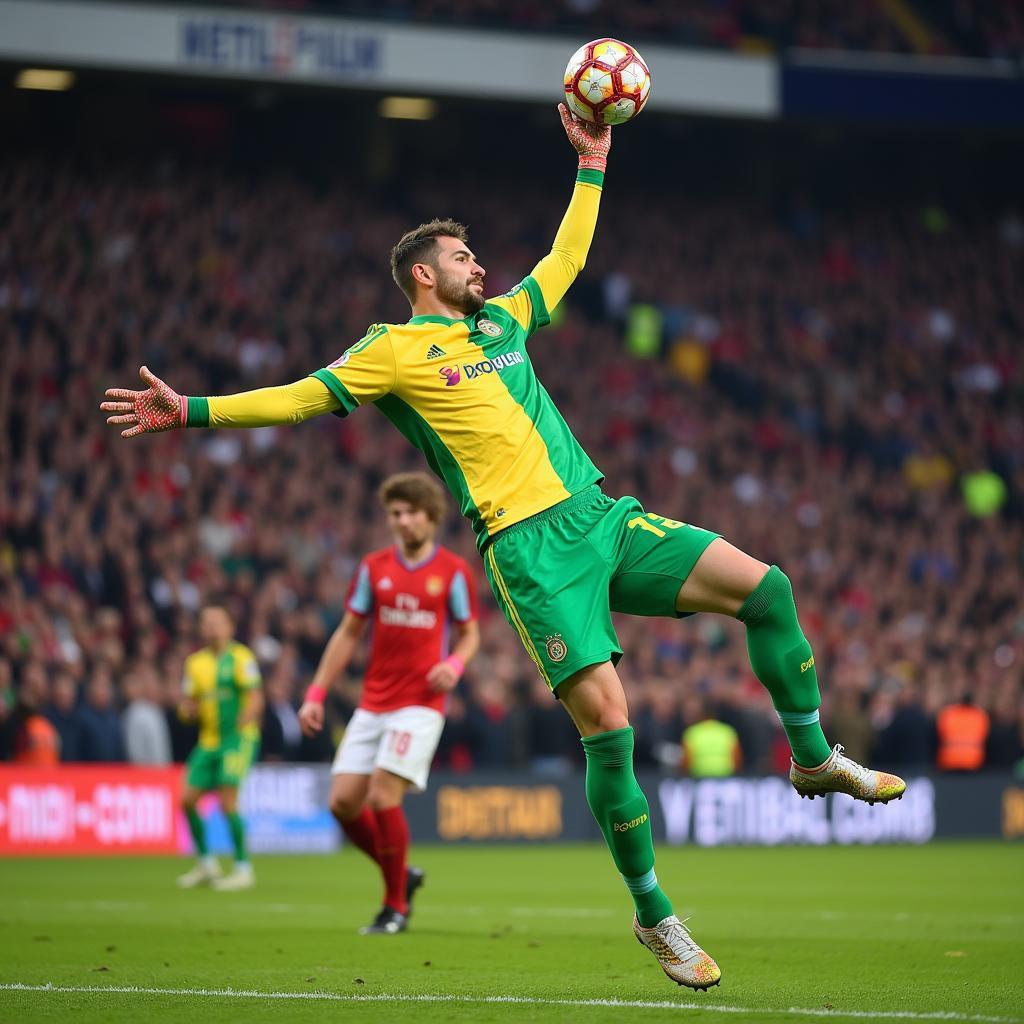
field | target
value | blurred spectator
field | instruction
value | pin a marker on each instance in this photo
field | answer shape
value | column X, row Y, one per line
column 282, row 734
column 909, row 736
column 711, row 749
column 1005, row 744
column 64, row 715
column 147, row 739
column 551, row 735
column 101, row 724
column 27, row 737
column 657, row 724
column 849, row 723
column 963, row 731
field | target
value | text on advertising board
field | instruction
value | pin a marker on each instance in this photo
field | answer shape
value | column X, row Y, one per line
column 279, row 46
column 499, row 812
column 88, row 810
column 714, row 812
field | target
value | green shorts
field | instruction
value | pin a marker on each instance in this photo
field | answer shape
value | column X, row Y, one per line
column 226, row 765
column 560, row 574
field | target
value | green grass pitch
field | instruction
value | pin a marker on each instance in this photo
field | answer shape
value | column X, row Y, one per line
column 898, row 933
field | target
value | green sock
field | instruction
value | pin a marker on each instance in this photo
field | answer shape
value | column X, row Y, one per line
column 195, row 824
column 237, row 829
column 620, row 808
column 782, row 659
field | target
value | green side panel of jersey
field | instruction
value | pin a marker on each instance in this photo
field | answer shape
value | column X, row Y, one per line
column 228, row 696
column 568, row 459
column 419, row 432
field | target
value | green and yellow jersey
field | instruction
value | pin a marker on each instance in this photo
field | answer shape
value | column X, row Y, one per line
column 219, row 685
column 462, row 391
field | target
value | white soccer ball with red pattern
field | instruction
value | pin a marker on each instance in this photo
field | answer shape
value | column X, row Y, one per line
column 607, row 82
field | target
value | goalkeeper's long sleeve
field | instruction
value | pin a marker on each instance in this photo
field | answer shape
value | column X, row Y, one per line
column 265, row 407
column 557, row 271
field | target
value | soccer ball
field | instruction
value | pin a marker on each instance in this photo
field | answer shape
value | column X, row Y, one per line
column 607, row 82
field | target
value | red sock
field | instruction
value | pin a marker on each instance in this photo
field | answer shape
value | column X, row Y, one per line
column 393, row 830
column 362, row 832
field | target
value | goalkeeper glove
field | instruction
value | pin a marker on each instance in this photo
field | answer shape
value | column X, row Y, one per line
column 591, row 141
column 157, row 408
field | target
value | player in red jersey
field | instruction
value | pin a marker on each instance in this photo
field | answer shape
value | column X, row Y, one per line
column 415, row 594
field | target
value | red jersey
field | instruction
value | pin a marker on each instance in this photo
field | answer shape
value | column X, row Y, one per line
column 412, row 608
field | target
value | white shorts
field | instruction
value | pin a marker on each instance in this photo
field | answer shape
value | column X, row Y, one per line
column 402, row 742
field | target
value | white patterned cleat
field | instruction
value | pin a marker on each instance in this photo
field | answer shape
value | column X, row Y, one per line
column 242, row 877
column 840, row 774
column 207, row 870
column 677, row 954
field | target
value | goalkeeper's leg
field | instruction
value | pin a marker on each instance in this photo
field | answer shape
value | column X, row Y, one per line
column 597, row 704
column 728, row 581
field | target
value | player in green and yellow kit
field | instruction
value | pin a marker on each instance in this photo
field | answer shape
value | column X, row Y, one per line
column 222, row 689
column 560, row 555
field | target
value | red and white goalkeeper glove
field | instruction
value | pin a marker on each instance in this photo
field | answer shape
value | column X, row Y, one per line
column 157, row 408
column 591, row 141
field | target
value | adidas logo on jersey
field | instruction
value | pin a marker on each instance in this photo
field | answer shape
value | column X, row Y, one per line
column 434, row 352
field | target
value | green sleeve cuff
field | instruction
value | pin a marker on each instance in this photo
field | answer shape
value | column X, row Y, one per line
column 198, row 412
column 590, row 177
column 336, row 388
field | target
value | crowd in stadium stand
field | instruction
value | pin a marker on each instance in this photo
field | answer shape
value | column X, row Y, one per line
column 991, row 29
column 837, row 392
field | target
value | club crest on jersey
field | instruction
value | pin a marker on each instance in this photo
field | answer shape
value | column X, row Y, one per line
column 557, row 649
column 489, row 327
column 434, row 585
column 451, row 375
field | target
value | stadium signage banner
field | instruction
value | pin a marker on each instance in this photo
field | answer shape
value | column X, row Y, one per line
column 83, row 810
column 120, row 809
column 767, row 812
column 215, row 42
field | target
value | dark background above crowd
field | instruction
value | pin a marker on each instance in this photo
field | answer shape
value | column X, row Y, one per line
column 991, row 29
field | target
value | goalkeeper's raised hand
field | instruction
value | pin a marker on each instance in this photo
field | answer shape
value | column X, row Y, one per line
column 591, row 141
column 146, row 412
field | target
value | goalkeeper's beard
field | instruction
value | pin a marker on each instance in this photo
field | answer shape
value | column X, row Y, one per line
column 457, row 295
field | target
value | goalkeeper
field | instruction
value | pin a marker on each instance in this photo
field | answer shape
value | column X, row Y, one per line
column 560, row 555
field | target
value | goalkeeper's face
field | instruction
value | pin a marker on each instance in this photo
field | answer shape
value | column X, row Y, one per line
column 460, row 279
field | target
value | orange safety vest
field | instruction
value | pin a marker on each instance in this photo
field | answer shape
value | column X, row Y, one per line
column 963, row 730
column 38, row 743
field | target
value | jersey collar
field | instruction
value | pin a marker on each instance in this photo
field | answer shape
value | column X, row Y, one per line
column 427, row 318
column 413, row 566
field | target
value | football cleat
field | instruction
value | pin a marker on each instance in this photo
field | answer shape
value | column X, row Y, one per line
column 677, row 954
column 387, row 922
column 242, row 877
column 840, row 774
column 206, row 871
column 414, row 879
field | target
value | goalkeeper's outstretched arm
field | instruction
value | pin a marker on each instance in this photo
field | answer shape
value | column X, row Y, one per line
column 557, row 271
column 160, row 407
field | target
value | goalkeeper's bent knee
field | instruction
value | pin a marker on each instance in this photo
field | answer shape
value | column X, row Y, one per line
column 779, row 652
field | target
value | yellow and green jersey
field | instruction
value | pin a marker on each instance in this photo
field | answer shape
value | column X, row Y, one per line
column 462, row 391
column 219, row 683
column 465, row 393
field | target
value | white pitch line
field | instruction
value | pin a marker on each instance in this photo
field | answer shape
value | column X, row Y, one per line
column 633, row 1004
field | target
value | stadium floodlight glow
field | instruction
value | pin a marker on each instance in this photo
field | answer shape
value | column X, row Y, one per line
column 49, row 79
column 407, row 108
